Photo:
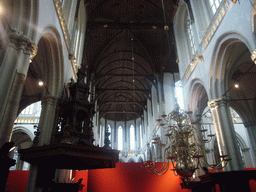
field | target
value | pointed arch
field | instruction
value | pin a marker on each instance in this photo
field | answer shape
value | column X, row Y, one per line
column 49, row 61
column 222, row 51
column 197, row 97
column 182, row 42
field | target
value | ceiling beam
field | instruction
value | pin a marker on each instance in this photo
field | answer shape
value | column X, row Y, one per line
column 125, row 25
column 144, row 76
column 103, row 113
column 100, row 92
column 101, row 104
column 151, row 77
column 123, row 90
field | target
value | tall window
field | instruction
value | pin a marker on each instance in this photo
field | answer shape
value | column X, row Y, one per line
column 179, row 94
column 191, row 36
column 140, row 136
column 120, row 138
column 132, row 137
column 109, row 137
column 214, row 5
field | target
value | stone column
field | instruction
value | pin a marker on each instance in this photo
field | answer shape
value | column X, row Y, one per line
column 103, row 133
column 19, row 164
column 128, row 143
column 19, row 51
column 251, row 127
column 115, row 137
column 40, row 177
column 225, row 133
column 63, row 176
column 137, row 129
column 47, row 120
column 251, row 131
column 31, row 184
column 247, row 157
column 135, row 136
column 125, row 143
column 98, row 128
column 40, row 172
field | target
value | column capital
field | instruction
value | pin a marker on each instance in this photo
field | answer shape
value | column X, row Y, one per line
column 19, row 41
column 49, row 100
column 253, row 56
column 217, row 102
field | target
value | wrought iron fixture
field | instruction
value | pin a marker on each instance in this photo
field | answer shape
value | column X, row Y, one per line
column 185, row 146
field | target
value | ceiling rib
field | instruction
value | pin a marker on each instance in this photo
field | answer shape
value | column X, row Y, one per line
column 126, row 25
column 102, row 104
column 126, row 48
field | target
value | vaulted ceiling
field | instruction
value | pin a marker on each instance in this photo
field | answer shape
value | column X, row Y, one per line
column 128, row 47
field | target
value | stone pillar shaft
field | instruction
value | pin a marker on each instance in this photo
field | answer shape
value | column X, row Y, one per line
column 19, row 50
column 247, row 157
column 252, row 138
column 11, row 108
column 40, row 178
column 36, row 172
column 19, row 164
column 225, row 133
column 46, row 121
column 63, row 176
column 115, row 137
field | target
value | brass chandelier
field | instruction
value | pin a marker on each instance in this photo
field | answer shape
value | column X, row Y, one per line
column 185, row 147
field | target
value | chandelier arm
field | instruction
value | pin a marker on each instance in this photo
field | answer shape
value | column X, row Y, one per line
column 151, row 168
column 217, row 166
column 165, row 151
column 158, row 173
column 149, row 171
column 160, row 170
column 165, row 170
column 154, row 171
column 174, row 169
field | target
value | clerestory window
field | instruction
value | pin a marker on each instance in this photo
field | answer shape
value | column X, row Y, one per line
column 191, row 36
column 109, row 130
column 120, row 138
column 132, row 137
column 179, row 94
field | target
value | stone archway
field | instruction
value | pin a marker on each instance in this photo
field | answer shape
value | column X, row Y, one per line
column 232, row 52
column 140, row 159
column 48, row 67
column 131, row 160
column 22, row 138
column 197, row 97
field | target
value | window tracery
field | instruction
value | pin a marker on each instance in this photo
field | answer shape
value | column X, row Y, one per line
column 191, row 36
